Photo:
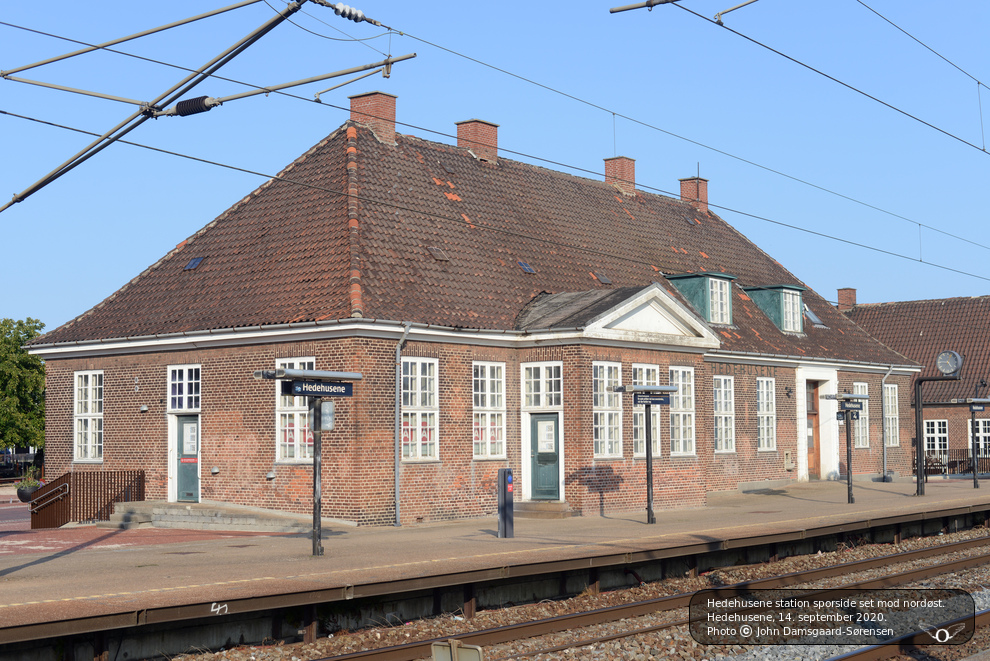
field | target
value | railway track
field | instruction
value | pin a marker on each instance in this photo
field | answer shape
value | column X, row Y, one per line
column 671, row 609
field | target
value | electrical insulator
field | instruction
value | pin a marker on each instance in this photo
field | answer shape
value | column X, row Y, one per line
column 347, row 11
column 194, row 106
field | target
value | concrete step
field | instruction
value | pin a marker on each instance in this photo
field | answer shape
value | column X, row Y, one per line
column 542, row 509
column 205, row 516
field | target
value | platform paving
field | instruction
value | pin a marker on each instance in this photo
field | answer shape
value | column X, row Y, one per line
column 49, row 575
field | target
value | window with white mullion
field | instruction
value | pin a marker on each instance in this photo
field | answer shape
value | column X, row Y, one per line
column 891, row 416
column 542, row 385
column 723, row 404
column 645, row 375
column 420, row 409
column 682, row 411
column 88, row 416
column 184, row 388
column 295, row 438
column 936, row 436
column 607, row 409
column 861, row 427
column 982, row 439
column 766, row 414
column 489, row 410
column 791, row 313
column 719, row 310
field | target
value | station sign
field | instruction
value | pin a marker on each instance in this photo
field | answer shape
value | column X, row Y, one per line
column 650, row 398
column 853, row 415
column 318, row 388
column 975, row 408
column 850, row 406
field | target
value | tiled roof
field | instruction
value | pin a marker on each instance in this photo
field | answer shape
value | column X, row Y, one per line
column 292, row 253
column 923, row 329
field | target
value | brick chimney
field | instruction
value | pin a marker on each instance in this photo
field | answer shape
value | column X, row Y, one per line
column 695, row 191
column 376, row 110
column 480, row 137
column 620, row 171
column 847, row 299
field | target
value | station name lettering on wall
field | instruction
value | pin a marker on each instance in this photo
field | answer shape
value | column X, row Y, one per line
column 730, row 369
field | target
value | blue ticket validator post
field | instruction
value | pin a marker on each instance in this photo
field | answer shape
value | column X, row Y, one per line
column 505, row 502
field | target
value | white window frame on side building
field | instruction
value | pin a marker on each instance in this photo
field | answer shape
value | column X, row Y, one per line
column 607, row 409
column 420, row 409
column 87, row 421
column 645, row 375
column 891, row 416
column 724, row 408
column 937, row 436
column 488, row 389
column 766, row 414
column 682, row 412
column 293, row 437
column 184, row 388
column 861, row 427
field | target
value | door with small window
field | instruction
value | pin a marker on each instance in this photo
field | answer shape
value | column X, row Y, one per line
column 187, row 471
column 545, row 456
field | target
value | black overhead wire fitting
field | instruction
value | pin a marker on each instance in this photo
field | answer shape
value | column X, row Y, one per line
column 173, row 94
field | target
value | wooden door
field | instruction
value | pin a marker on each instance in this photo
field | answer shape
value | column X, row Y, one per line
column 814, row 444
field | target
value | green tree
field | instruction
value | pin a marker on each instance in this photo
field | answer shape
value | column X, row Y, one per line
column 22, row 386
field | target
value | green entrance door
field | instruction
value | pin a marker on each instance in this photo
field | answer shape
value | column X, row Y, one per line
column 545, row 456
column 187, row 472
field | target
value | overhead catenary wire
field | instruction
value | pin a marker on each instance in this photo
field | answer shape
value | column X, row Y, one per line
column 566, row 95
column 476, row 225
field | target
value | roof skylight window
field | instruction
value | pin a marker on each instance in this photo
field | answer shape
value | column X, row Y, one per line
column 438, row 254
column 193, row 263
column 602, row 278
column 526, row 267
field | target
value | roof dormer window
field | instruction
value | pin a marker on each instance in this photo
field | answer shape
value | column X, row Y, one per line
column 709, row 293
column 782, row 304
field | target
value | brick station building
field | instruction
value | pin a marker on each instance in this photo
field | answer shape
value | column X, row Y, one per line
column 491, row 306
column 922, row 330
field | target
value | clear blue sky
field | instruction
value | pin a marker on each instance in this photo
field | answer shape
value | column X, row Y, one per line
column 569, row 85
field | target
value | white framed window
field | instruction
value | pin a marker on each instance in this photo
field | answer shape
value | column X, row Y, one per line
column 982, row 438
column 861, row 427
column 183, row 388
column 682, row 411
column 542, row 385
column 88, row 416
column 791, row 311
column 420, row 409
column 724, row 406
column 489, row 410
column 936, row 436
column 295, row 438
column 766, row 414
column 719, row 301
column 645, row 375
column 607, row 409
column 891, row 416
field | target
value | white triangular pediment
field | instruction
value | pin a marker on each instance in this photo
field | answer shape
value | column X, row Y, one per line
column 653, row 316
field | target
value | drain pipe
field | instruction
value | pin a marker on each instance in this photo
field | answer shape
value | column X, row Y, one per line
column 883, row 423
column 398, row 415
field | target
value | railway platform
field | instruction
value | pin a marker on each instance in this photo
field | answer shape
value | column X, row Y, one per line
column 50, row 576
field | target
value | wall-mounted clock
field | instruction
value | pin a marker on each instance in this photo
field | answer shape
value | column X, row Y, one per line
column 948, row 362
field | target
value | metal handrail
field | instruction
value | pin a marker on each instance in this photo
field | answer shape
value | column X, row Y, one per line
column 61, row 491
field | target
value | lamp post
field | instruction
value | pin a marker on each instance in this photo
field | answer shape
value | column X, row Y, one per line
column 850, row 405
column 647, row 396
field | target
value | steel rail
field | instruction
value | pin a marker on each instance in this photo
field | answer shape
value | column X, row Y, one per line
column 531, row 629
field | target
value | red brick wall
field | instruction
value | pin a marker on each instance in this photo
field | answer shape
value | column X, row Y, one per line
column 238, row 430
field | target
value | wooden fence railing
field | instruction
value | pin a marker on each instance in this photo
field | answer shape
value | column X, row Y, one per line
column 84, row 496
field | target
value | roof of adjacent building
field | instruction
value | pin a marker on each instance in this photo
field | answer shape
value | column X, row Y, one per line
column 352, row 228
column 923, row 329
